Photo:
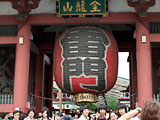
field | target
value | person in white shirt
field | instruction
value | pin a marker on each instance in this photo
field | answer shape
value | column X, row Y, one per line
column 30, row 115
column 85, row 112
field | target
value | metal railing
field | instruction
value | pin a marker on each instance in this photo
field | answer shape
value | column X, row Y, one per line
column 6, row 98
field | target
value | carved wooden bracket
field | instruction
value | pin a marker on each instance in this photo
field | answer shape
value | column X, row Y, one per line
column 141, row 5
column 23, row 7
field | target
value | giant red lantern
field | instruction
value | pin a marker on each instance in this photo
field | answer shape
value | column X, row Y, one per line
column 85, row 60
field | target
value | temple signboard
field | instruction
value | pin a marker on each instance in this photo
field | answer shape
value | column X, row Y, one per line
column 81, row 7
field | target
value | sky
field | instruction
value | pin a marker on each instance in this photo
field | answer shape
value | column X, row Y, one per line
column 123, row 65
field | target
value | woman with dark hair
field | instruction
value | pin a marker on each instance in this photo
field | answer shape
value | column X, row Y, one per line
column 103, row 110
column 4, row 116
column 113, row 115
column 76, row 116
column 16, row 115
column 122, row 109
column 45, row 115
column 30, row 115
column 149, row 111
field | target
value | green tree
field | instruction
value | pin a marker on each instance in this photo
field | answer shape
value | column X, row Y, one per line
column 111, row 101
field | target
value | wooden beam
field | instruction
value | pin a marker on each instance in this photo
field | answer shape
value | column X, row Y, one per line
column 113, row 18
column 8, row 20
column 154, row 37
column 50, row 19
column 8, row 40
column 46, row 19
column 154, row 17
column 120, row 18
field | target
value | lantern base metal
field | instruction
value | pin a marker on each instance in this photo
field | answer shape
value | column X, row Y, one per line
column 85, row 97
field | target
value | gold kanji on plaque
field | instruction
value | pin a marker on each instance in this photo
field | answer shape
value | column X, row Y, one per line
column 68, row 8
column 95, row 5
column 80, row 6
column 83, row 6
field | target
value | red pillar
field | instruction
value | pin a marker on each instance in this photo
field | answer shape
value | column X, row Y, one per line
column 144, row 76
column 38, row 81
column 22, row 69
column 133, row 79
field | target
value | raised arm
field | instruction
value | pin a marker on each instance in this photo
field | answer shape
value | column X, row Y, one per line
column 130, row 114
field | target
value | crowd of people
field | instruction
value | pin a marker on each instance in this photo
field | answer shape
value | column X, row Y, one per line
column 149, row 111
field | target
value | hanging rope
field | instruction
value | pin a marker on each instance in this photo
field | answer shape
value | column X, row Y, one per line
column 44, row 98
